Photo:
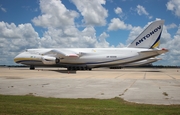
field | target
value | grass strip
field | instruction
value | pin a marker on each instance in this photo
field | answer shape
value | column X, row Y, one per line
column 28, row 105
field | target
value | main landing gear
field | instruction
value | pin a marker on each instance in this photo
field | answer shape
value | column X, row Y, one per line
column 78, row 68
column 32, row 67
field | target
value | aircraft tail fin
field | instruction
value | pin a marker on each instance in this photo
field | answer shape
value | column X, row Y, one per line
column 150, row 37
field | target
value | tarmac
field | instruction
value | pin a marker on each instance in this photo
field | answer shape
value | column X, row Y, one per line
column 148, row 86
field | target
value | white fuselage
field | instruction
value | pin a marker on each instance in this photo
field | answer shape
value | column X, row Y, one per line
column 90, row 57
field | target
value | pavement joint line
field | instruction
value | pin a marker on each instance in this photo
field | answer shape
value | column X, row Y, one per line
column 119, row 76
column 170, row 76
column 144, row 76
column 129, row 87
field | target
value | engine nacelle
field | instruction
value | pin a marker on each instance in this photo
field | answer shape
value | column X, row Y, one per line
column 48, row 60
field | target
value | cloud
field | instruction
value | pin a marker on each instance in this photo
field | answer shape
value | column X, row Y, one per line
column 60, row 24
column 3, row 9
column 28, row 8
column 118, row 10
column 178, row 31
column 14, row 39
column 135, row 31
column 70, row 37
column 172, row 58
column 116, row 24
column 93, row 12
column 165, row 36
column 142, row 11
column 61, row 28
column 120, row 13
column 102, row 41
column 171, row 26
column 121, row 45
column 54, row 14
column 170, row 42
column 173, row 5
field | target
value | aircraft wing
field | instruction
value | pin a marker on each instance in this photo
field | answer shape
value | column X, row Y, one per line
column 63, row 54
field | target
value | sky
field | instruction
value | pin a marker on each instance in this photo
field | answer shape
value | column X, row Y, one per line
column 26, row 24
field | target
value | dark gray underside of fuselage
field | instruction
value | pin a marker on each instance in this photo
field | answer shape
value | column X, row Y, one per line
column 66, row 65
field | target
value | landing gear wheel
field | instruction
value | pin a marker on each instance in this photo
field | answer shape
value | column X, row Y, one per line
column 32, row 67
column 69, row 68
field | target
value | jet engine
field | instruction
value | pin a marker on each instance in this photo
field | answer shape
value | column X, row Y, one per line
column 48, row 60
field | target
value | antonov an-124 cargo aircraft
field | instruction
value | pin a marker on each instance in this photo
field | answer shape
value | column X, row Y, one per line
column 143, row 47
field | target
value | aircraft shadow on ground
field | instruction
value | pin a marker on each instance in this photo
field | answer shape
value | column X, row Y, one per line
column 152, row 71
column 59, row 71
column 64, row 71
column 139, row 70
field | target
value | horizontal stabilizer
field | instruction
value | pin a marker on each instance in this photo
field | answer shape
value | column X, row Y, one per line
column 158, row 51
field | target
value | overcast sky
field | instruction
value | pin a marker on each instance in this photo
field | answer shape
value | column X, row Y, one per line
column 28, row 24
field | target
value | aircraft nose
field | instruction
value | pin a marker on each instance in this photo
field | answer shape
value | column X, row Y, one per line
column 17, row 58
